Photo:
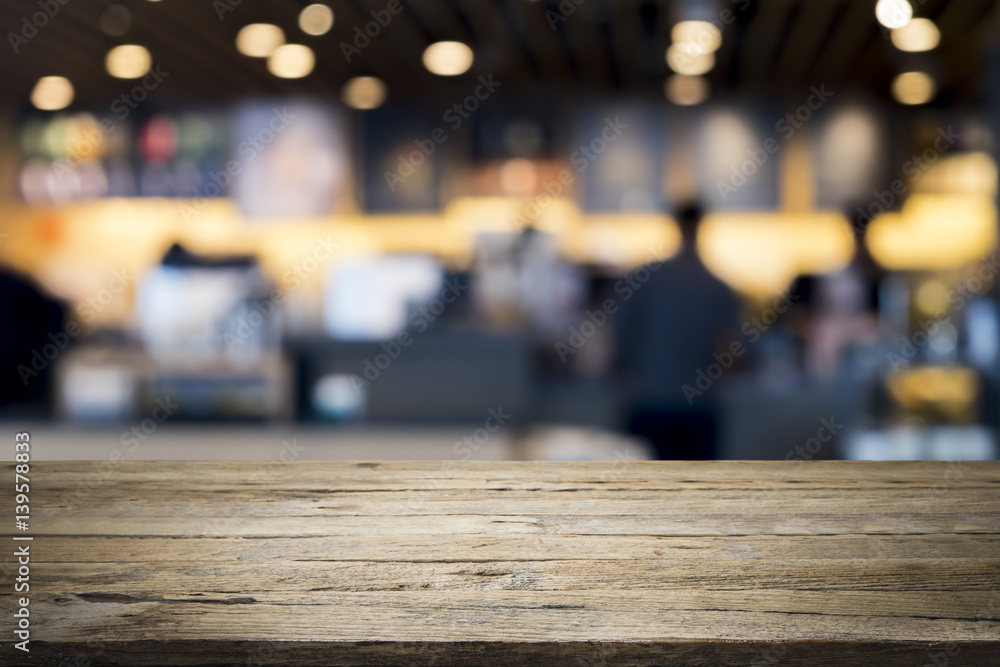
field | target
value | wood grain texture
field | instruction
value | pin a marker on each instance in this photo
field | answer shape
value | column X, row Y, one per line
column 437, row 564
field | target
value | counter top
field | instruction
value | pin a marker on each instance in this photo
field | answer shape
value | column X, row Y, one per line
column 503, row 563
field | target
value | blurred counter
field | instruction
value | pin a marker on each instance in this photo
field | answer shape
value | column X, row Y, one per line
column 142, row 441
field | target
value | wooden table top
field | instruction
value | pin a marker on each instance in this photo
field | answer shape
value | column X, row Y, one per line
column 596, row 564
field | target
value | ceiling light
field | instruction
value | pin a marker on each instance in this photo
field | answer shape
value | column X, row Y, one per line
column 316, row 20
column 702, row 33
column 913, row 88
column 686, row 90
column 291, row 61
column 115, row 20
column 259, row 40
column 52, row 93
column 917, row 35
column 684, row 58
column 893, row 13
column 128, row 61
column 364, row 92
column 448, row 58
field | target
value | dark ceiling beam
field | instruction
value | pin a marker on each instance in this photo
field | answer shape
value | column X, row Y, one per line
column 374, row 59
column 70, row 44
column 854, row 32
column 403, row 38
column 545, row 44
column 511, row 27
column 435, row 22
column 594, row 21
column 331, row 70
column 603, row 47
column 967, row 52
column 584, row 42
column 199, row 49
column 631, row 49
column 500, row 51
column 806, row 39
column 763, row 38
column 881, row 61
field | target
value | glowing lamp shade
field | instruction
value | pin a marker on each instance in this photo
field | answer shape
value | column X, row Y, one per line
column 934, row 231
column 917, row 35
column 686, row 90
column 128, row 61
column 52, row 93
column 448, row 58
column 913, row 88
column 259, row 40
column 687, row 58
column 701, row 33
column 316, row 19
column 364, row 92
column 893, row 13
column 759, row 254
column 291, row 61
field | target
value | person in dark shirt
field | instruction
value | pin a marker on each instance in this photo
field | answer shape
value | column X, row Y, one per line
column 27, row 318
column 670, row 329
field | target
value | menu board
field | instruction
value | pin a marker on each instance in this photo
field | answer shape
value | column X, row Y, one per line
column 71, row 157
column 404, row 153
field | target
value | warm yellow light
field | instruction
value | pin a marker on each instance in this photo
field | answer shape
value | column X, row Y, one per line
column 52, row 93
column 917, row 35
column 893, row 13
column 913, row 88
column 701, row 33
column 934, row 232
column 951, row 390
column 623, row 239
column 760, row 254
column 128, row 61
column 316, row 20
column 972, row 172
column 684, row 58
column 932, row 297
column 518, row 177
column 471, row 216
column 83, row 138
column 448, row 58
column 259, row 40
column 686, row 90
column 364, row 92
column 291, row 61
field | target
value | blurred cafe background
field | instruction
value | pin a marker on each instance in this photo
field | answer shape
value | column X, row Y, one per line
column 500, row 229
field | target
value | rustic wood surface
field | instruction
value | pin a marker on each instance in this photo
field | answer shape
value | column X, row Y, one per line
column 594, row 564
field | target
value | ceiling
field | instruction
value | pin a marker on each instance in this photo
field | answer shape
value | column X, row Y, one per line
column 605, row 47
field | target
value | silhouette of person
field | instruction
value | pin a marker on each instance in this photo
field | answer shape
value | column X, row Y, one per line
column 28, row 317
column 669, row 328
